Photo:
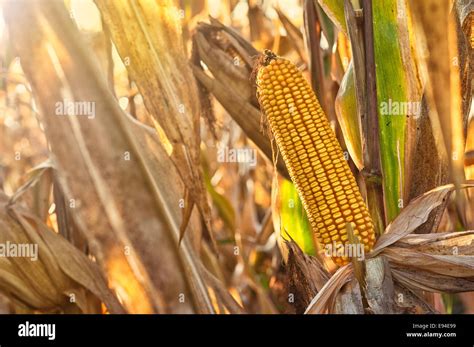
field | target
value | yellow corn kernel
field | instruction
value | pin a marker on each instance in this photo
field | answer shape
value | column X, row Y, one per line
column 313, row 156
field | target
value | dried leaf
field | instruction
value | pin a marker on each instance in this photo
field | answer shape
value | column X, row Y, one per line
column 457, row 243
column 349, row 299
column 306, row 276
column 131, row 228
column 409, row 301
column 223, row 205
column 412, row 216
column 158, row 64
column 260, row 26
column 325, row 298
column 459, row 266
column 444, row 94
column 35, row 176
column 73, row 263
column 225, row 297
column 294, row 34
column 464, row 11
column 428, row 158
column 427, row 281
column 313, row 34
column 59, row 269
column 230, row 82
column 379, row 290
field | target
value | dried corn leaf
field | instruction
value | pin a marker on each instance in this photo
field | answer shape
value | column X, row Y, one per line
column 198, row 278
column 349, row 299
column 158, row 64
column 412, row 216
column 39, row 184
column 131, row 229
column 319, row 66
column 225, row 298
column 444, row 93
column 72, row 262
column 260, row 26
column 428, row 157
column 294, row 34
column 325, row 299
column 35, row 176
column 230, row 60
column 459, row 266
column 223, row 205
column 461, row 243
column 153, row 154
column 59, row 271
column 5, row 305
column 409, row 301
column 464, row 11
column 448, row 255
column 427, row 281
column 306, row 276
column 379, row 290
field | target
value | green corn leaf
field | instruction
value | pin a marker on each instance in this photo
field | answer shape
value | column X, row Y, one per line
column 294, row 223
column 392, row 86
column 335, row 11
column 346, row 111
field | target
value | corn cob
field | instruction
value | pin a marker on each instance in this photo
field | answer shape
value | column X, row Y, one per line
column 312, row 155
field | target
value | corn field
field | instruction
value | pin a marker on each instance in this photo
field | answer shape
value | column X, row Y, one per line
column 236, row 156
